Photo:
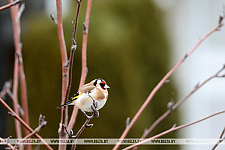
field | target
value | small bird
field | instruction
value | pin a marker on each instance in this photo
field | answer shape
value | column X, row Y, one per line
column 91, row 96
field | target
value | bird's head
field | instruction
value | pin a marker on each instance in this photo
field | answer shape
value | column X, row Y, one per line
column 101, row 84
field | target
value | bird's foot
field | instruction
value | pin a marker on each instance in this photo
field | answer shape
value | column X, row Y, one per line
column 89, row 125
column 95, row 113
column 86, row 116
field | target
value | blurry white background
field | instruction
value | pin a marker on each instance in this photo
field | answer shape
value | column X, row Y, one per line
column 185, row 22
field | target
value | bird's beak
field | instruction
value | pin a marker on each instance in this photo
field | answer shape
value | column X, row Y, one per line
column 106, row 86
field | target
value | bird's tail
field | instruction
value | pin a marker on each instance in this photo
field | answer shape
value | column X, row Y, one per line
column 75, row 96
column 67, row 103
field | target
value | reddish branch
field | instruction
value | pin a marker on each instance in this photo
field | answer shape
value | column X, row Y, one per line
column 64, row 110
column 8, row 144
column 66, row 74
column 173, row 129
column 23, row 85
column 160, row 84
column 24, row 124
column 42, row 124
column 168, row 112
column 10, row 4
column 19, row 71
column 220, row 139
column 84, row 45
column 16, row 32
column 84, row 60
column 73, row 48
column 7, row 86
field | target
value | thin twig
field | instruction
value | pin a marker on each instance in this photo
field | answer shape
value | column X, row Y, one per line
column 42, row 124
column 76, row 23
column 160, row 84
column 10, row 4
column 21, row 9
column 24, row 124
column 73, row 48
column 53, row 19
column 220, row 139
column 7, row 86
column 12, row 97
column 84, row 57
column 8, row 144
column 85, row 125
column 168, row 112
column 82, row 129
column 173, row 129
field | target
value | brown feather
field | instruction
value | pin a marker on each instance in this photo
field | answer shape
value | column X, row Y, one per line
column 99, row 95
column 86, row 89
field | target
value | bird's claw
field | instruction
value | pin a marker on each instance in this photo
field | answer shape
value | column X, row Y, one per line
column 89, row 125
column 95, row 105
column 95, row 112
column 86, row 116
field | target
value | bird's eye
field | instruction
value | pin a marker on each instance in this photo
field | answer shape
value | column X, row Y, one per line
column 102, row 84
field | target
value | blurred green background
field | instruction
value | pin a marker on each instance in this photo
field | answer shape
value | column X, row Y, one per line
column 127, row 47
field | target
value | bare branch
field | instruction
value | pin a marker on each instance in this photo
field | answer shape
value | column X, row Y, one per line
column 8, row 144
column 84, row 50
column 221, row 18
column 18, row 69
column 7, row 86
column 16, row 34
column 174, row 129
column 85, row 125
column 72, row 51
column 95, row 113
column 24, row 123
column 84, row 45
column 220, row 139
column 53, row 19
column 64, row 58
column 127, row 122
column 10, row 4
column 173, row 107
column 42, row 124
column 21, row 9
column 160, row 84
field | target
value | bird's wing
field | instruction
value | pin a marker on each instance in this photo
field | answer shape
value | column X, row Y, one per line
column 87, row 88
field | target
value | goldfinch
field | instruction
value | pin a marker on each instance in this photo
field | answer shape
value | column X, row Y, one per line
column 91, row 96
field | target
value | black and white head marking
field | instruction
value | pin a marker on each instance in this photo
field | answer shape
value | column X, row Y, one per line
column 101, row 83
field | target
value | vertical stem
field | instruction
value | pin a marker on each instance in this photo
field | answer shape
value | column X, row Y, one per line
column 14, row 9
column 84, row 45
column 84, row 60
column 19, row 72
column 24, row 98
column 64, row 110
column 73, row 48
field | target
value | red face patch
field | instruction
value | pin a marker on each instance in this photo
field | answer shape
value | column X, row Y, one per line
column 102, row 84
